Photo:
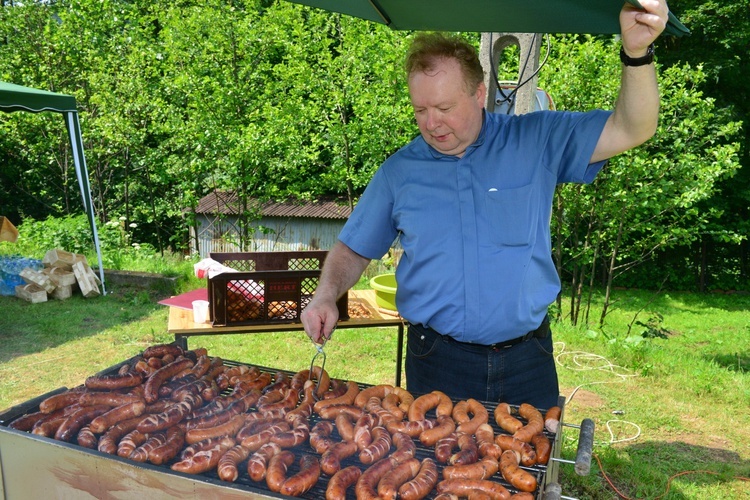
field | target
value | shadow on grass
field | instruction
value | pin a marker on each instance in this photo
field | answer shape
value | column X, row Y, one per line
column 27, row 328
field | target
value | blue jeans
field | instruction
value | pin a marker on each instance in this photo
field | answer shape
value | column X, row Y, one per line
column 523, row 373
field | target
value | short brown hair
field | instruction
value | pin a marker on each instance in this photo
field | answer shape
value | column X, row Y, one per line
column 426, row 48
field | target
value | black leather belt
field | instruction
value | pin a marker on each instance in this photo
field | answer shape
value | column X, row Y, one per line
column 541, row 332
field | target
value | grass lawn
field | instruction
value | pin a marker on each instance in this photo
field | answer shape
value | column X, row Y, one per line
column 672, row 411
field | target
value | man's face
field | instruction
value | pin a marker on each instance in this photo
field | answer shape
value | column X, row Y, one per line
column 449, row 117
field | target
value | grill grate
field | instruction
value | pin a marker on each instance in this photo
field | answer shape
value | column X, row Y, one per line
column 244, row 483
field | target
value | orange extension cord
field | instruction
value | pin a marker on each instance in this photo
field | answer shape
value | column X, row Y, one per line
column 669, row 483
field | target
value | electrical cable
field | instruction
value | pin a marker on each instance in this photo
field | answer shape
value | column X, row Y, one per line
column 494, row 70
column 581, row 361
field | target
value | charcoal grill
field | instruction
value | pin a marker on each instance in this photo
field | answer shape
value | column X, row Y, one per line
column 38, row 467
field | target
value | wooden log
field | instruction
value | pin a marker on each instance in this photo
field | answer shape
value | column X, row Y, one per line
column 38, row 278
column 31, row 293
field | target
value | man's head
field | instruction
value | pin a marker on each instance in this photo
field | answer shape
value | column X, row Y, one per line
column 446, row 83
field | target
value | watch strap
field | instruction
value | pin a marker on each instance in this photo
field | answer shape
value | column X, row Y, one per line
column 637, row 61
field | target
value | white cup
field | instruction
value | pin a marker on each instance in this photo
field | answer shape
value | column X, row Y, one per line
column 200, row 311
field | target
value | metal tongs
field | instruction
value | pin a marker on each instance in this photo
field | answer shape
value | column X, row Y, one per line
column 319, row 354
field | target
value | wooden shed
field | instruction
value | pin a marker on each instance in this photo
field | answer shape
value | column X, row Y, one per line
column 282, row 225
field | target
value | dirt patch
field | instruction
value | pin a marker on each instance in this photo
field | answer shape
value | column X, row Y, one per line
column 582, row 398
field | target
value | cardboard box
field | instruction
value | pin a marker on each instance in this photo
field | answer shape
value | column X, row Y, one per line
column 31, row 293
column 8, row 231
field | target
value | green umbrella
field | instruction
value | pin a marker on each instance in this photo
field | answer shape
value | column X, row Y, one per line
column 521, row 16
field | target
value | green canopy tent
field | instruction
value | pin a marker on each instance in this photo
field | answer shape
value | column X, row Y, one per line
column 18, row 98
column 518, row 16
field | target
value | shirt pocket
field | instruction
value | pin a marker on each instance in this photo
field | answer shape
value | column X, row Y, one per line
column 513, row 215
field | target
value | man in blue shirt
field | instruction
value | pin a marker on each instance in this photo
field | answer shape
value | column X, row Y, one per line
column 470, row 200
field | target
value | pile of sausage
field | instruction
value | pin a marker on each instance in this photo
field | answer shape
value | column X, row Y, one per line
column 189, row 411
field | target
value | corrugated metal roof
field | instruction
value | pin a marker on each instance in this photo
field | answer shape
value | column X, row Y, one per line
column 226, row 202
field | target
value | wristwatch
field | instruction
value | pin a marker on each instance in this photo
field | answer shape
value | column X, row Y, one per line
column 638, row 61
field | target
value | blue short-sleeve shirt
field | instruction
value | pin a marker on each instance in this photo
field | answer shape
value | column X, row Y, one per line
column 475, row 230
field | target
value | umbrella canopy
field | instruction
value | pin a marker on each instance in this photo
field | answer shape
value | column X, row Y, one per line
column 17, row 98
column 515, row 16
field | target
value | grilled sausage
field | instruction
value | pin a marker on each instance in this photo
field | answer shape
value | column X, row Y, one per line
column 130, row 442
column 341, row 481
column 204, row 460
column 517, row 477
column 111, row 399
column 445, row 426
column 378, row 448
column 75, row 421
column 229, row 428
column 117, row 414
column 330, row 412
column 365, row 488
column 59, row 401
column 543, row 448
column 534, row 425
column 524, row 450
column 377, row 391
column 258, row 463
column 320, row 436
column 483, row 469
column 304, row 480
column 352, row 390
column 463, row 487
column 405, row 447
column 468, row 452
column 445, row 446
column 113, row 382
column 423, row 482
column 461, row 411
column 140, row 454
column 505, row 420
column 552, row 419
column 227, row 466
column 161, row 350
column 486, row 444
column 26, row 422
column 412, row 428
column 436, row 400
column 393, row 479
column 174, row 442
column 277, row 467
column 160, row 376
column 86, row 438
column 330, row 462
column 294, row 437
column 109, row 440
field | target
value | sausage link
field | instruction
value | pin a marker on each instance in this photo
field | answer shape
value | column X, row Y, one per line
column 227, row 466
column 161, row 350
column 543, row 448
column 405, row 447
column 468, row 451
column 258, row 463
column 445, row 446
column 534, row 425
column 341, row 481
column 378, row 448
column 304, row 480
column 524, row 450
column 423, row 482
column 124, row 412
column 59, row 401
column 86, row 438
column 174, row 442
column 160, row 376
column 72, row 424
column 140, row 454
column 277, row 467
column 111, row 399
column 130, row 442
column 348, row 398
column 26, row 422
column 437, row 400
column 479, row 416
column 204, row 460
column 365, row 488
column 445, row 426
column 393, row 479
column 484, row 469
column 320, row 436
column 552, row 419
column 330, row 462
column 110, row 439
column 517, row 477
column 505, row 420
column 113, row 382
column 229, row 428
column 486, row 442
column 463, row 487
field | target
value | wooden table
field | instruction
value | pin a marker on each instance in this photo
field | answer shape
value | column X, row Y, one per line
column 182, row 326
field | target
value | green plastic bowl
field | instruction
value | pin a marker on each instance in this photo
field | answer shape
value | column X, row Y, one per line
column 385, row 291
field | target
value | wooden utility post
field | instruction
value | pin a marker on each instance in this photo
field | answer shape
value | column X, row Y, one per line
column 492, row 46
